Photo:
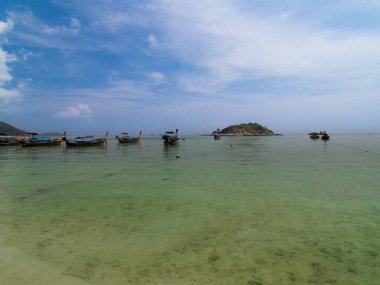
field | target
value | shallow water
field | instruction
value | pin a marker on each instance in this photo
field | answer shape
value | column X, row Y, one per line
column 242, row 210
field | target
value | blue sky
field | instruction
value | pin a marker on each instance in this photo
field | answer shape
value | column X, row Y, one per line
column 94, row 65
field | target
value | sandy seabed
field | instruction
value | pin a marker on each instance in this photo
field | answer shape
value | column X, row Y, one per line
column 249, row 215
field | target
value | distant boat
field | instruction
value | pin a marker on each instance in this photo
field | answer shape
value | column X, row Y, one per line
column 7, row 140
column 125, row 138
column 216, row 134
column 314, row 135
column 171, row 138
column 35, row 140
column 325, row 137
column 84, row 141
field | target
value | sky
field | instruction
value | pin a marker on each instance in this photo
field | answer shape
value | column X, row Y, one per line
column 91, row 66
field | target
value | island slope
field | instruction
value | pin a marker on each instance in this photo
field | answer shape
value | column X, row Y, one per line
column 7, row 129
column 250, row 129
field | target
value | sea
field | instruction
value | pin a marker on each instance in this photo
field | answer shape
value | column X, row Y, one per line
column 239, row 210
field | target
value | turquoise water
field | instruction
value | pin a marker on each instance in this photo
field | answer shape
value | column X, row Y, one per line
column 242, row 210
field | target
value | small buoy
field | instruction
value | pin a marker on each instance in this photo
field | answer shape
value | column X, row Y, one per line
column 230, row 145
column 177, row 156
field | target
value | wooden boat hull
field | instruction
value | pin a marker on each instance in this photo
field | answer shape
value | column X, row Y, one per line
column 8, row 140
column 129, row 140
column 171, row 142
column 97, row 142
column 8, row 143
column 126, row 139
column 56, row 142
column 85, row 141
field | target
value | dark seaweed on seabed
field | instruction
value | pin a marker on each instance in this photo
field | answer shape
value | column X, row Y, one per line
column 41, row 190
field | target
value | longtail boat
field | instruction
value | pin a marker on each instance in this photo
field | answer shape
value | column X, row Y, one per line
column 7, row 140
column 125, row 138
column 35, row 140
column 171, row 138
column 83, row 141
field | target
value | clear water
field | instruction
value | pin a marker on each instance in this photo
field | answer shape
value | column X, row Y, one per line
column 242, row 210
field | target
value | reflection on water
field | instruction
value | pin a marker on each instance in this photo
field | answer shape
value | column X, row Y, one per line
column 262, row 210
column 172, row 151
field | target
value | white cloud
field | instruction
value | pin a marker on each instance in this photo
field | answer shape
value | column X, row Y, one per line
column 5, row 58
column 78, row 111
column 152, row 41
column 32, row 30
column 5, row 76
column 24, row 55
column 75, row 23
column 287, row 14
column 117, row 90
column 9, row 94
column 60, row 30
column 5, row 26
column 204, row 83
column 113, row 18
column 229, row 44
column 114, row 21
column 6, row 94
column 157, row 78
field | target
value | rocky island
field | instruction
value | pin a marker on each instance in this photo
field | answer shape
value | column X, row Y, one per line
column 250, row 129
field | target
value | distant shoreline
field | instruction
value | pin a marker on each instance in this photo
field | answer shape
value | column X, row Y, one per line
column 243, row 135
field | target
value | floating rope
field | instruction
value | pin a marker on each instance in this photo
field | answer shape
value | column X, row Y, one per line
column 354, row 148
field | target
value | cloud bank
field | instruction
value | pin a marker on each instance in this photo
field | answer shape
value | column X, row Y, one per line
column 78, row 111
column 228, row 44
column 6, row 93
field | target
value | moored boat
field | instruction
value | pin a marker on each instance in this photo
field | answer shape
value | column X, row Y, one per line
column 325, row 136
column 314, row 135
column 7, row 140
column 216, row 134
column 83, row 141
column 36, row 140
column 171, row 138
column 125, row 138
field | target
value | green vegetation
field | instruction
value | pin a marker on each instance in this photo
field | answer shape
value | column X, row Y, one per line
column 250, row 129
